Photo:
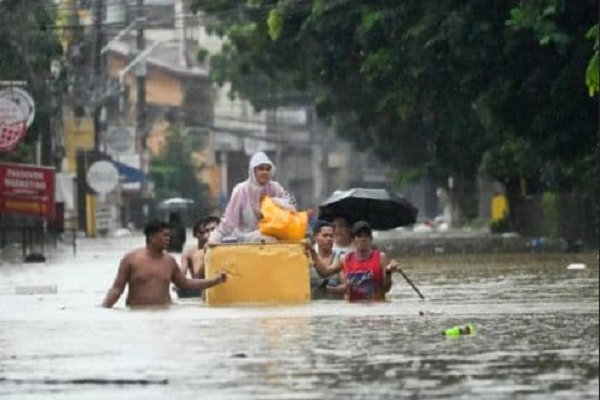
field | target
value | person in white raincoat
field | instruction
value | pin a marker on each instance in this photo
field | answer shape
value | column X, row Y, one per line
column 243, row 213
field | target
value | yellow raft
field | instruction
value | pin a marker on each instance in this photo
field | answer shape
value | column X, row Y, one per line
column 259, row 274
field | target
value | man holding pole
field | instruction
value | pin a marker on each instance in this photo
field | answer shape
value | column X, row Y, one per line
column 367, row 273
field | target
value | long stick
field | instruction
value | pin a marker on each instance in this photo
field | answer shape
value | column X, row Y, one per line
column 411, row 284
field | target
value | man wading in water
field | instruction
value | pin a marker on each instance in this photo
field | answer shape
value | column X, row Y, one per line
column 150, row 271
column 192, row 260
column 323, row 273
column 367, row 274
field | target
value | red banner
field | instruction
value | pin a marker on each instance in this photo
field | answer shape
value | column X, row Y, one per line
column 27, row 190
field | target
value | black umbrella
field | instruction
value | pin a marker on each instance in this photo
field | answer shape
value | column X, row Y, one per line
column 382, row 209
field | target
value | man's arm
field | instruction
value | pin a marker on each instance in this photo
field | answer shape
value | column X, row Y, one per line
column 342, row 288
column 388, row 267
column 118, row 287
column 324, row 270
column 196, row 284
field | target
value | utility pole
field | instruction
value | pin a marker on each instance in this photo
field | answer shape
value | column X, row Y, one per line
column 98, row 86
column 141, row 72
column 83, row 158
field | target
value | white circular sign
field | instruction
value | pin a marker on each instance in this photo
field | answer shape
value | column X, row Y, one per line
column 13, row 125
column 23, row 100
column 103, row 177
column 10, row 112
column 120, row 140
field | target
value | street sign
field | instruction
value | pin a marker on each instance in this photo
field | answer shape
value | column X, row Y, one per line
column 104, row 218
column 103, row 177
column 120, row 139
column 27, row 190
column 23, row 100
column 13, row 125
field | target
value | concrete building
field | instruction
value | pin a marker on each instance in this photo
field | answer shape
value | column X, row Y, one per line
column 312, row 161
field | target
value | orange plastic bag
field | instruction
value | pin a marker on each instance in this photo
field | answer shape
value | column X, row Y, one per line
column 282, row 224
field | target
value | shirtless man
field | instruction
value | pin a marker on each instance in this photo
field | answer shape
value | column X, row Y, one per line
column 149, row 272
column 192, row 260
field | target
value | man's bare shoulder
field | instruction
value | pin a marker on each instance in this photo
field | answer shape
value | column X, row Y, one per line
column 170, row 260
column 134, row 254
column 192, row 252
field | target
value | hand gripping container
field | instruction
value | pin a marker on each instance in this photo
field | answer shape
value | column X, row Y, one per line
column 259, row 274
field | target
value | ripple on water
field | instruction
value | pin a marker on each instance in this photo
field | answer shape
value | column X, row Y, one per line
column 537, row 338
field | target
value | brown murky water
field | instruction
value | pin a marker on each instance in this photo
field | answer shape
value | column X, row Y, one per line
column 537, row 337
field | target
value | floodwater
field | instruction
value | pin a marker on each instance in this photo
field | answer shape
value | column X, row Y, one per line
column 537, row 337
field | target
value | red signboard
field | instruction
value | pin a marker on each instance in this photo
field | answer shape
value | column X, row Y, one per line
column 27, row 190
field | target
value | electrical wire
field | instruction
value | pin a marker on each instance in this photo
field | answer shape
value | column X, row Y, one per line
column 207, row 18
column 287, row 96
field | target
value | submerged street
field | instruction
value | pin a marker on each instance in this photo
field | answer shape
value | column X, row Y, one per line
column 537, row 336
column 460, row 138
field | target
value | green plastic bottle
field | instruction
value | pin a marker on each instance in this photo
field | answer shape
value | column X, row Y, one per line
column 457, row 331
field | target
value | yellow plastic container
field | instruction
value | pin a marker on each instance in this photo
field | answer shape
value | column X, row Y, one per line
column 259, row 274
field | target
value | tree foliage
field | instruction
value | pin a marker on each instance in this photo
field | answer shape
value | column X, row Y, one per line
column 439, row 85
column 174, row 171
column 563, row 135
column 592, row 78
column 28, row 45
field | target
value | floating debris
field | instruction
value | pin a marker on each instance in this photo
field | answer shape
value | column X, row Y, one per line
column 457, row 331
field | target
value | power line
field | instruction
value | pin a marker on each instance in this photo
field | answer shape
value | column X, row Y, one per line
column 207, row 18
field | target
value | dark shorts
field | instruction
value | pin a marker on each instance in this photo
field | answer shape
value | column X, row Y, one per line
column 189, row 293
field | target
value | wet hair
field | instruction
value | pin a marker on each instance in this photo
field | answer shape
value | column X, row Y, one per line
column 320, row 226
column 209, row 220
column 155, row 226
column 199, row 225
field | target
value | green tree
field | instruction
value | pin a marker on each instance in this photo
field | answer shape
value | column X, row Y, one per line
column 543, row 19
column 439, row 86
column 555, row 146
column 592, row 78
column 28, row 45
column 174, row 171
